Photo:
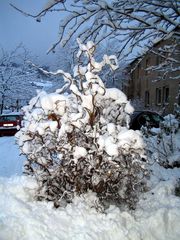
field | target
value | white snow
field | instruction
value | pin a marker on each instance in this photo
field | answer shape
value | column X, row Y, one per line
column 79, row 152
column 116, row 94
column 111, row 147
column 129, row 139
column 111, row 127
column 87, row 102
column 51, row 101
column 10, row 161
column 53, row 125
column 21, row 217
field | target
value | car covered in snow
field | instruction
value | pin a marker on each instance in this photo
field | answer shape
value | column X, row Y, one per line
column 146, row 119
column 10, row 123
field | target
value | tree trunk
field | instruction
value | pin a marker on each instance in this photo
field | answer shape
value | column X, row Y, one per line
column 2, row 105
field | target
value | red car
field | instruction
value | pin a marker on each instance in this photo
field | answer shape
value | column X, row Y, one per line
column 10, row 123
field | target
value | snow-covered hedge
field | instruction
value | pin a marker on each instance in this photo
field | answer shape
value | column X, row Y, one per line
column 80, row 141
column 161, row 143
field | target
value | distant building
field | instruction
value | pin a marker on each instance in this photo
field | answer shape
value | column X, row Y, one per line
column 157, row 87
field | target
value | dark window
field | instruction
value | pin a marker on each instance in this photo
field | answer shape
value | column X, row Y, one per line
column 159, row 60
column 146, row 98
column 147, row 65
column 178, row 95
column 165, row 94
column 133, row 75
column 158, row 96
column 147, row 62
column 138, row 70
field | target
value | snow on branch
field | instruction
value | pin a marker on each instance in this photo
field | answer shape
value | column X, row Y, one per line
column 115, row 19
column 80, row 141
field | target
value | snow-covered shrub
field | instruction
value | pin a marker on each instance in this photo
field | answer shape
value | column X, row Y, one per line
column 170, row 124
column 160, row 142
column 177, row 112
column 81, row 141
column 177, row 106
column 177, row 188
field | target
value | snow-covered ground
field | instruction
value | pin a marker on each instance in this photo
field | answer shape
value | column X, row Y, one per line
column 11, row 162
column 157, row 216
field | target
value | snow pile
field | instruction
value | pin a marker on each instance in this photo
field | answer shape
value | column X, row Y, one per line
column 156, row 217
column 81, row 141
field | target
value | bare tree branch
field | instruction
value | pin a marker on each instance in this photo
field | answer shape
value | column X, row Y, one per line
column 134, row 22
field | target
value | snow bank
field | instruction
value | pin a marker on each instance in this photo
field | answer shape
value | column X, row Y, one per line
column 21, row 217
column 157, row 216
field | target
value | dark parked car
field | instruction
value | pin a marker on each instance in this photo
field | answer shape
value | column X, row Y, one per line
column 10, row 123
column 145, row 118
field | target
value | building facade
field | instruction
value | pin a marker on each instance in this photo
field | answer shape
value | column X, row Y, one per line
column 155, row 77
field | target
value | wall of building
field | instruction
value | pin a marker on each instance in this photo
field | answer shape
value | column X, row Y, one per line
column 156, row 93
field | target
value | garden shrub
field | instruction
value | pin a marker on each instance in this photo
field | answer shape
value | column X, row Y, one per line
column 81, row 141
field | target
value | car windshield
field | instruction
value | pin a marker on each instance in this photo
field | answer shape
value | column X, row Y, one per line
column 144, row 119
column 8, row 118
column 156, row 118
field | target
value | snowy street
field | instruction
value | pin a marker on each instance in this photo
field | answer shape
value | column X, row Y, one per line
column 10, row 161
